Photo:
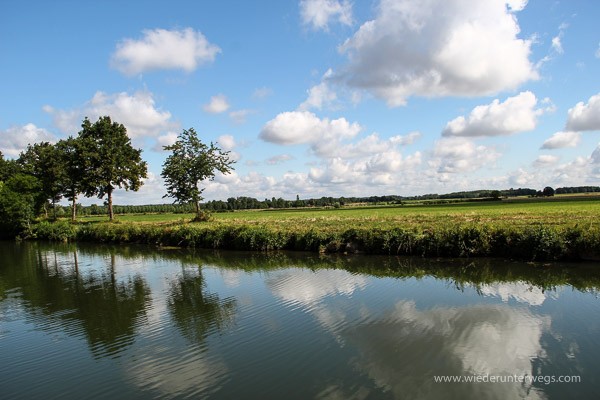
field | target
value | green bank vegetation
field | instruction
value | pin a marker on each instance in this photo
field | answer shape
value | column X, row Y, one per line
column 542, row 231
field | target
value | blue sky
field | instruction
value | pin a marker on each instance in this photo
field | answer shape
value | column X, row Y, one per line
column 318, row 97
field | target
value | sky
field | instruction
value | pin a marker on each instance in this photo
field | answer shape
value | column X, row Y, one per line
column 317, row 97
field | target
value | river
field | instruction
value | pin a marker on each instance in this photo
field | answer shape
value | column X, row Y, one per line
column 94, row 321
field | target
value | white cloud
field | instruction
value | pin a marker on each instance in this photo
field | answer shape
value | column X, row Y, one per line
column 278, row 159
column 137, row 112
column 595, row 158
column 163, row 49
column 239, row 116
column 319, row 13
column 366, row 146
column 452, row 155
column 597, row 53
column 167, row 139
column 218, row 104
column 15, row 139
column 579, row 171
column 227, row 142
column 522, row 178
column 515, row 114
column 557, row 45
column 557, row 40
column 320, row 95
column 562, row 139
column 374, row 170
column 438, row 48
column 545, row 160
column 595, row 162
column 585, row 117
column 297, row 127
column 151, row 192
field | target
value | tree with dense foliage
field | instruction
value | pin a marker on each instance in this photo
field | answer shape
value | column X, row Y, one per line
column 43, row 161
column 548, row 191
column 21, row 198
column 73, row 171
column 110, row 160
column 190, row 163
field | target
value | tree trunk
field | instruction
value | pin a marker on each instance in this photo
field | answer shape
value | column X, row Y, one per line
column 110, row 207
column 74, row 209
column 197, row 204
column 54, row 209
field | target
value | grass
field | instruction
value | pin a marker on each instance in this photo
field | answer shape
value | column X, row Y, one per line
column 524, row 230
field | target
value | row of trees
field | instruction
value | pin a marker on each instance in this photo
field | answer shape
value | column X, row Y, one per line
column 97, row 161
column 94, row 163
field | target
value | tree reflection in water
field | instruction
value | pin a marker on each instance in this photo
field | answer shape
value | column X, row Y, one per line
column 196, row 312
column 105, row 309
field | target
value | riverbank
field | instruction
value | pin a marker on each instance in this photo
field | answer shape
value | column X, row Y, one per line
column 537, row 242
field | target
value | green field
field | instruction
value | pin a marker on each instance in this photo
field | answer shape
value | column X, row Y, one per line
column 566, row 212
column 531, row 230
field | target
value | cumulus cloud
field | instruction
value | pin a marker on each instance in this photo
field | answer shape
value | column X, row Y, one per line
column 278, row 159
column 368, row 161
column 167, row 139
column 137, row 112
column 227, row 142
column 374, row 170
column 545, row 160
column 521, row 177
column 163, row 49
column 319, row 13
column 452, row 155
column 595, row 158
column 239, row 116
column 579, row 171
column 561, row 140
column 218, row 104
column 15, row 139
column 297, row 127
column 438, row 48
column 366, row 146
column 515, row 114
column 585, row 117
column 320, row 95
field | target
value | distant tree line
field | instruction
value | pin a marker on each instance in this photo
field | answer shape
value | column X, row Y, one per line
column 577, row 189
column 251, row 203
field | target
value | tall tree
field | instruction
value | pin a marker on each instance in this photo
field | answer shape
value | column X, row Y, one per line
column 73, row 168
column 43, row 161
column 190, row 163
column 110, row 160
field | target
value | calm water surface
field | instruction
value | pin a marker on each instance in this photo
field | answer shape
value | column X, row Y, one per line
column 130, row 322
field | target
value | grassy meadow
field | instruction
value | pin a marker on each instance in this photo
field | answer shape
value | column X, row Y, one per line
column 561, row 228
